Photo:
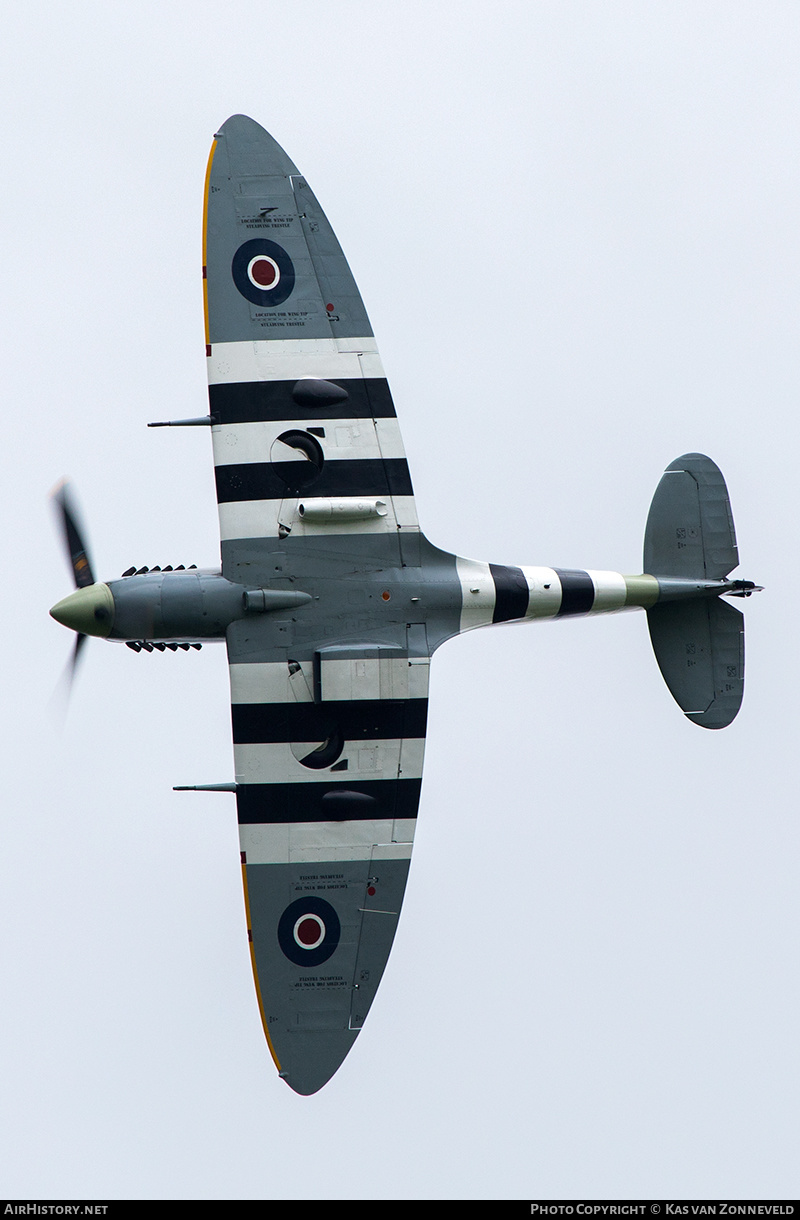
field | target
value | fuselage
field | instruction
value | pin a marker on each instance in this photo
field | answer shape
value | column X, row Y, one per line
column 300, row 590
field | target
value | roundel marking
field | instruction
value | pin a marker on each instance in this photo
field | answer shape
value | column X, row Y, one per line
column 263, row 272
column 309, row 931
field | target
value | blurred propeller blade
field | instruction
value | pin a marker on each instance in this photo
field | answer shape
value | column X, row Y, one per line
column 59, row 700
column 74, row 538
column 80, row 640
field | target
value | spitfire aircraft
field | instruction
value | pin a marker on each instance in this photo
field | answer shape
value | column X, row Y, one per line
column 331, row 601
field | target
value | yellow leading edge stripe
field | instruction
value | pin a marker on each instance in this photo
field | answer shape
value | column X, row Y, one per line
column 255, row 970
column 205, row 240
column 244, row 866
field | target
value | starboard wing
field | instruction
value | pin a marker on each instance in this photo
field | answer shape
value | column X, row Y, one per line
column 313, row 493
column 303, row 411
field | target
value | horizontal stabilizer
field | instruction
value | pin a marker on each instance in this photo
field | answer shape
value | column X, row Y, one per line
column 689, row 530
column 699, row 646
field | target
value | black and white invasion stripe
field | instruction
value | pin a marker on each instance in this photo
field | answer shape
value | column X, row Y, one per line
column 494, row 593
column 360, row 792
column 277, row 404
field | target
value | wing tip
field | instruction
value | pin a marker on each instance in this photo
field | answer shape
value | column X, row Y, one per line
column 246, row 139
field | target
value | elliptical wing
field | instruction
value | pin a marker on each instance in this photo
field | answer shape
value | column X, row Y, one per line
column 313, row 490
column 304, row 416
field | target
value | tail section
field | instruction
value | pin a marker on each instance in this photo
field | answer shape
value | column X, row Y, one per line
column 689, row 546
column 689, row 551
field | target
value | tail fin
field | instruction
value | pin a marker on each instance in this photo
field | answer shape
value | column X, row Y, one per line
column 689, row 531
column 698, row 642
column 699, row 646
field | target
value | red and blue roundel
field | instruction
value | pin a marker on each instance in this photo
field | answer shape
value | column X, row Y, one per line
column 309, row 931
column 263, row 272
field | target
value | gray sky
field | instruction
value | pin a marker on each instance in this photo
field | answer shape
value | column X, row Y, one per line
column 574, row 226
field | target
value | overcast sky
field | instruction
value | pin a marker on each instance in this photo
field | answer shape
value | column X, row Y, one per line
column 574, row 226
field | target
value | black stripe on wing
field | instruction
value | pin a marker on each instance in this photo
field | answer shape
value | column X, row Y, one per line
column 275, row 480
column 268, row 401
column 353, row 720
column 328, row 801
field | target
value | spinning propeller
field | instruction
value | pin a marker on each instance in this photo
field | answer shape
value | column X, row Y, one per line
column 86, row 610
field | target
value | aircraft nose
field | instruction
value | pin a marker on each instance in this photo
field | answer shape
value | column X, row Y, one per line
column 89, row 611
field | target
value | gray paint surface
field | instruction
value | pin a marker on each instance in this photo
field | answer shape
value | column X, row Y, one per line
column 251, row 172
